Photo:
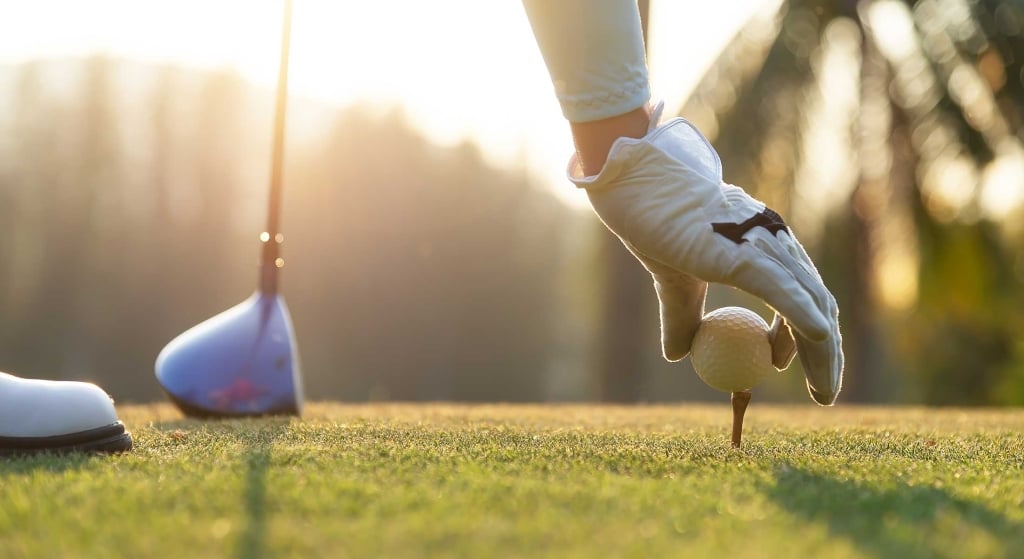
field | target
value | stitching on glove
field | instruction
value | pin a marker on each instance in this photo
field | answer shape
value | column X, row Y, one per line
column 767, row 219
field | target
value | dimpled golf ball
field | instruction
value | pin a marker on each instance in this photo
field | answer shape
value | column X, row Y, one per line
column 731, row 351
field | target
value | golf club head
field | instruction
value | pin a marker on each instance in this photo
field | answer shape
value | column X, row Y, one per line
column 242, row 362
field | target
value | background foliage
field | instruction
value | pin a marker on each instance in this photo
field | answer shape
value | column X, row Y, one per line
column 888, row 133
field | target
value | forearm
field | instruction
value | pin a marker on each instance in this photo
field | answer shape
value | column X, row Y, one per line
column 593, row 139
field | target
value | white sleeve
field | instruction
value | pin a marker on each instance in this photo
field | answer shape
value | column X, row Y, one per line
column 594, row 51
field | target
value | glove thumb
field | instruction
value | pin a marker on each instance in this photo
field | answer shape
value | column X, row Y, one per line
column 782, row 342
column 681, row 301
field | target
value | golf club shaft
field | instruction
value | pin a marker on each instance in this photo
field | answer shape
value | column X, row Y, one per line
column 270, row 256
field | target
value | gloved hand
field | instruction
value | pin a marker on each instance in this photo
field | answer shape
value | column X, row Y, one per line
column 664, row 197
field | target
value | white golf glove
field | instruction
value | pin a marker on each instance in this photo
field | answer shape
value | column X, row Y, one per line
column 664, row 197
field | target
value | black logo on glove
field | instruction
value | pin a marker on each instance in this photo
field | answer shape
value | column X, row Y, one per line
column 734, row 231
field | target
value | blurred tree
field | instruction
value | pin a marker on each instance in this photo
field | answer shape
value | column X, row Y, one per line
column 67, row 153
column 135, row 195
column 890, row 134
column 32, row 170
column 432, row 276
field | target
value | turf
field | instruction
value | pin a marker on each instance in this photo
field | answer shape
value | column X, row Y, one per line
column 532, row 481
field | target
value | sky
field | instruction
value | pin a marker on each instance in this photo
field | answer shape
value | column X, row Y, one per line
column 460, row 68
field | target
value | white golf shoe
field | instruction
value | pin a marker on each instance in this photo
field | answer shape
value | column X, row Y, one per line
column 57, row 416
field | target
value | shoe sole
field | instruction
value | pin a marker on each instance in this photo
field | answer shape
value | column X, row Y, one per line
column 109, row 439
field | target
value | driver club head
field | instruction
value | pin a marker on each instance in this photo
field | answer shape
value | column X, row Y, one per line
column 242, row 362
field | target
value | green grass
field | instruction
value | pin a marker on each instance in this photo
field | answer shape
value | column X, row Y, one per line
column 532, row 481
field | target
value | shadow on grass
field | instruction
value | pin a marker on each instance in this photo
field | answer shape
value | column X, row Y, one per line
column 257, row 437
column 895, row 522
column 252, row 542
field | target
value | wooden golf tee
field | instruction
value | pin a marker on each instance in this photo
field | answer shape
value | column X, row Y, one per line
column 739, row 407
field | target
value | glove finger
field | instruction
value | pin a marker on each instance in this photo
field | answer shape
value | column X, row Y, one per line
column 763, row 276
column 823, row 367
column 822, row 359
column 681, row 301
column 782, row 249
column 796, row 250
column 782, row 342
column 791, row 255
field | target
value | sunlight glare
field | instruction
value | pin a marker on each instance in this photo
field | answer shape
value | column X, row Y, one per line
column 460, row 69
column 1003, row 183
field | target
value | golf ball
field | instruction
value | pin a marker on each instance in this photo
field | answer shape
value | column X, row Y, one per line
column 731, row 351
